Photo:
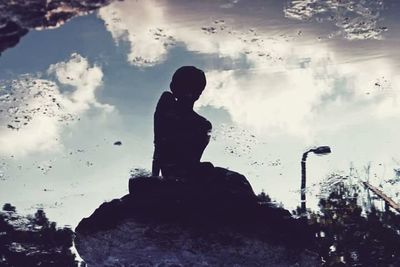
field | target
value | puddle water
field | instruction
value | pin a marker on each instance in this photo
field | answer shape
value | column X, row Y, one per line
column 282, row 77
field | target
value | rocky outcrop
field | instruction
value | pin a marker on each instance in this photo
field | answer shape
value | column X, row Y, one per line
column 171, row 223
column 19, row 16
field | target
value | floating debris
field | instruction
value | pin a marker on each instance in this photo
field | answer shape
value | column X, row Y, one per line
column 27, row 98
column 209, row 30
column 89, row 164
column 356, row 19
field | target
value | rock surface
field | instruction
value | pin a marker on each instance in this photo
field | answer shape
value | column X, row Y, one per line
column 170, row 223
column 19, row 16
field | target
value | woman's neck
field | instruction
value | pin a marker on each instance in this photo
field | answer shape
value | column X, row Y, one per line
column 185, row 105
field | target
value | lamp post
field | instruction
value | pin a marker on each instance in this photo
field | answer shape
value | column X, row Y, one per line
column 322, row 150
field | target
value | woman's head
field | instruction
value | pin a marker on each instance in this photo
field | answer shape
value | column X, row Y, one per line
column 188, row 83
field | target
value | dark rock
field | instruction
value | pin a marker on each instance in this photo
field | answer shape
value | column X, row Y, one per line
column 19, row 16
column 170, row 222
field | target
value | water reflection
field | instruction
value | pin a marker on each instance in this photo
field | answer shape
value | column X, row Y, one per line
column 31, row 102
column 282, row 77
column 349, row 233
column 33, row 240
column 355, row 19
column 18, row 17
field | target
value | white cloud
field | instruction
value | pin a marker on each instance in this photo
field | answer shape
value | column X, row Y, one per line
column 286, row 87
column 304, row 101
column 355, row 19
column 34, row 110
column 152, row 27
column 141, row 24
column 270, row 101
column 78, row 73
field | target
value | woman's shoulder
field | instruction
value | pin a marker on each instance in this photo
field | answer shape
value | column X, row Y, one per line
column 167, row 95
column 166, row 100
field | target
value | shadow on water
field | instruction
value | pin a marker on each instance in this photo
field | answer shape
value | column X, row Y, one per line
column 33, row 240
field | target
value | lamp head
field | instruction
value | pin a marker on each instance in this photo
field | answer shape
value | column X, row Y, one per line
column 322, row 150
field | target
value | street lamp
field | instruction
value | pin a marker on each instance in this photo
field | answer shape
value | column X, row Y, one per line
column 322, row 150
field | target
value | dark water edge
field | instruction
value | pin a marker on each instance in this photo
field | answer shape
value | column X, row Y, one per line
column 345, row 234
column 33, row 240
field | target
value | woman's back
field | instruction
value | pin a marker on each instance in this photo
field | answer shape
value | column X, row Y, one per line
column 180, row 134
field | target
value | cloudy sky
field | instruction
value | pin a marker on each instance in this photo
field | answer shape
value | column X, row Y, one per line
column 282, row 77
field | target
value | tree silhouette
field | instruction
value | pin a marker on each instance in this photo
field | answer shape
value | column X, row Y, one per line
column 33, row 240
column 348, row 237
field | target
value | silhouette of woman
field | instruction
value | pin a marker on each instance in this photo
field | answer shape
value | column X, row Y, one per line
column 181, row 135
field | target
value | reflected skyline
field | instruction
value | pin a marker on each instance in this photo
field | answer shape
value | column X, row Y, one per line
column 279, row 81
